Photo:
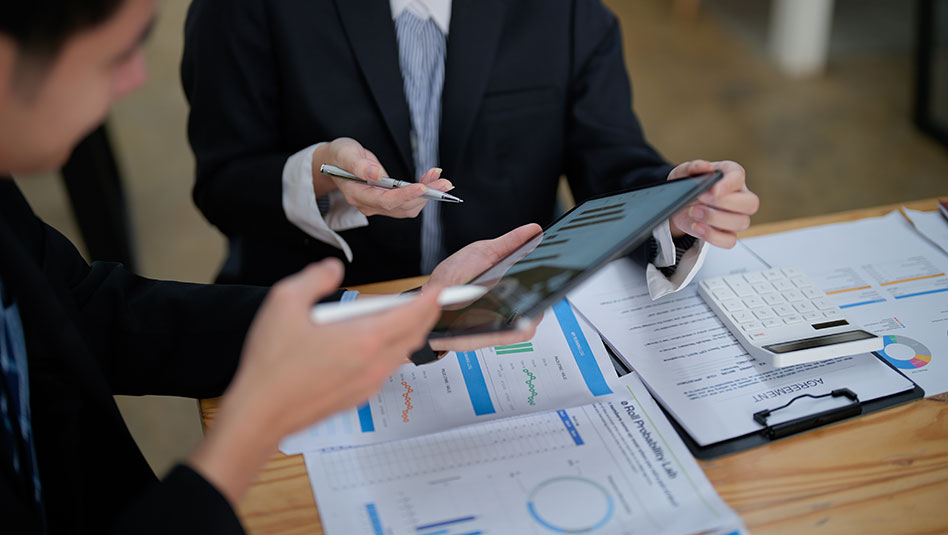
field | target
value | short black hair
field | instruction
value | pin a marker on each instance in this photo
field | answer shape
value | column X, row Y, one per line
column 40, row 28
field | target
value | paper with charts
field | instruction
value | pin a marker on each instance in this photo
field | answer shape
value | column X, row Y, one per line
column 887, row 278
column 564, row 365
column 696, row 368
column 611, row 467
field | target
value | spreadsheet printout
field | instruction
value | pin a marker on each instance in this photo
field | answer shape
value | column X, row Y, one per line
column 564, row 365
column 610, row 467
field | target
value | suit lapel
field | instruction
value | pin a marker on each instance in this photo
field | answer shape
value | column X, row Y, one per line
column 371, row 33
column 476, row 27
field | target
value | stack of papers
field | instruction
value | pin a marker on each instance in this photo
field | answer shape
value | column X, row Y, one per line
column 486, row 442
column 611, row 467
column 698, row 370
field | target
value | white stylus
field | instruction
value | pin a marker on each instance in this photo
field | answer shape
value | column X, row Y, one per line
column 331, row 312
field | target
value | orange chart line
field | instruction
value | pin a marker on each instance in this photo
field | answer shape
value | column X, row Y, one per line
column 914, row 279
column 848, row 290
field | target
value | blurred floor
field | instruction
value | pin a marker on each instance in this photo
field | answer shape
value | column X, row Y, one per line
column 703, row 89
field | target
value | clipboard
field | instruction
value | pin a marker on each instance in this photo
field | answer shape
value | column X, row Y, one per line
column 773, row 432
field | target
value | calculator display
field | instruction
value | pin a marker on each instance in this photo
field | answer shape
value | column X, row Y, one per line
column 819, row 341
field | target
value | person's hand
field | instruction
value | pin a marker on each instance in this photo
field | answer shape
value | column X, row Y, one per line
column 293, row 372
column 468, row 263
column 719, row 213
column 348, row 154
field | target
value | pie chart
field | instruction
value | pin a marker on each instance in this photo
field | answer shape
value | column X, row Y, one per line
column 570, row 504
column 905, row 353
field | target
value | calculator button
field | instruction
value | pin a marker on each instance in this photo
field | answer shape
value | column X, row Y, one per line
column 811, row 292
column 762, row 287
column 732, row 304
column 810, row 316
column 751, row 326
column 803, row 307
column 772, row 274
column 801, row 282
column 791, row 272
column 753, row 302
column 772, row 299
column 833, row 314
column 772, row 322
column 792, row 320
column 756, row 335
column 754, row 277
column 764, row 313
column 723, row 293
column 741, row 288
column 793, row 295
column 784, row 310
column 742, row 316
column 823, row 304
column 714, row 284
column 783, row 285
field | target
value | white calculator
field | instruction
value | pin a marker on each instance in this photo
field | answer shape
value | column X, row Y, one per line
column 781, row 316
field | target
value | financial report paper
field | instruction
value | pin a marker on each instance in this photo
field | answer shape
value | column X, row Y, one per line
column 887, row 278
column 610, row 467
column 696, row 368
column 564, row 365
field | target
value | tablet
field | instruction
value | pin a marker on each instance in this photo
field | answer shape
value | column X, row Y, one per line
column 543, row 270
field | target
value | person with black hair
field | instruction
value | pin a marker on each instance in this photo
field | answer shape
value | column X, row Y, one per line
column 73, row 335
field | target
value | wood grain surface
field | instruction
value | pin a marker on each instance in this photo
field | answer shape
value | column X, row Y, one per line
column 885, row 473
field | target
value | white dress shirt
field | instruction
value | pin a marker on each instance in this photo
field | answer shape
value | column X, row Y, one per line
column 299, row 197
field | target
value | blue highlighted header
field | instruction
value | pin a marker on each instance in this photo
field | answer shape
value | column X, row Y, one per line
column 581, row 351
column 476, row 385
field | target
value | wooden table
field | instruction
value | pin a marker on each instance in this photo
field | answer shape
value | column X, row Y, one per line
column 882, row 473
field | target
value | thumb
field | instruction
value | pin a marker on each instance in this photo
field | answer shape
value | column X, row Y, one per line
column 509, row 242
column 315, row 281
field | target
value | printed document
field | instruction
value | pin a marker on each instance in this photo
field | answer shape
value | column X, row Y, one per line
column 564, row 365
column 696, row 368
column 932, row 225
column 885, row 277
column 610, row 467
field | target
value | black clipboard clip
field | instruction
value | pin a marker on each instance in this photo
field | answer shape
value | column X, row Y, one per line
column 814, row 420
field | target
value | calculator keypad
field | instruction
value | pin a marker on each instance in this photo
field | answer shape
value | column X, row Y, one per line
column 767, row 300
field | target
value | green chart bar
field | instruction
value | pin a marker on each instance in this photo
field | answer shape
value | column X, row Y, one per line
column 525, row 347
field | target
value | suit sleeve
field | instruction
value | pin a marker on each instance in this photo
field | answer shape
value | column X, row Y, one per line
column 230, row 77
column 606, row 149
column 182, row 503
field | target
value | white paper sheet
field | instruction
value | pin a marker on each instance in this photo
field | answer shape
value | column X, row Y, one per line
column 887, row 278
column 932, row 225
column 613, row 467
column 564, row 365
column 698, row 370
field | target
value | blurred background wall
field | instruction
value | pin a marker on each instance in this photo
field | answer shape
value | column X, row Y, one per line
column 706, row 85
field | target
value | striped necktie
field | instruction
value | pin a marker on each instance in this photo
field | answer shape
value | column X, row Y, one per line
column 421, row 52
column 16, row 433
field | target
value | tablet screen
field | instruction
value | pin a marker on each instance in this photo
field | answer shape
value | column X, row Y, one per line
column 549, row 265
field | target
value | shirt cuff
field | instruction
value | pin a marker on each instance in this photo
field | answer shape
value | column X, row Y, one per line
column 299, row 204
column 659, row 284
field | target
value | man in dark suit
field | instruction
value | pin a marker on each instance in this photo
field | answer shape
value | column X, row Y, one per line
column 73, row 335
column 504, row 95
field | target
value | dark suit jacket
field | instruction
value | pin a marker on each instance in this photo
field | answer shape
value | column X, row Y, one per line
column 92, row 332
column 533, row 89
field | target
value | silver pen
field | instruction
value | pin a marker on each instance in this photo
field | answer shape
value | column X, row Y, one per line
column 387, row 183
